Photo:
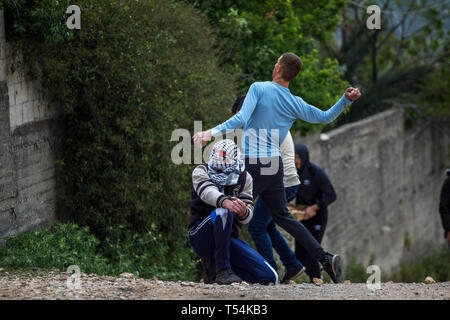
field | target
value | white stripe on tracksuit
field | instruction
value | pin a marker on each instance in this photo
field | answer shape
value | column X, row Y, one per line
column 195, row 229
column 273, row 270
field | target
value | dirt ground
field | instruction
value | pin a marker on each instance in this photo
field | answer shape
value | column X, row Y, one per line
column 56, row 285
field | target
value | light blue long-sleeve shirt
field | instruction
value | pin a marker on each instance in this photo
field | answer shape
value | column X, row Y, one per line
column 267, row 114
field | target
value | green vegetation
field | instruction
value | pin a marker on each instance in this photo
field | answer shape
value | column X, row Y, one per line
column 407, row 240
column 253, row 34
column 403, row 64
column 133, row 73
column 66, row 245
column 144, row 255
column 355, row 271
column 435, row 264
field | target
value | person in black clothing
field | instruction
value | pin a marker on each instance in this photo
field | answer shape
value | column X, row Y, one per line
column 444, row 206
column 315, row 193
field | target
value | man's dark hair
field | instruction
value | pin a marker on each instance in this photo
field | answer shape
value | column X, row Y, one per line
column 238, row 104
column 292, row 64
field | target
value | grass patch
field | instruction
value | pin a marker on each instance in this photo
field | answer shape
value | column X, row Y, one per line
column 145, row 255
column 435, row 264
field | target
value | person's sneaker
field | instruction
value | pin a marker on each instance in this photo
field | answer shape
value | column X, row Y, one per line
column 293, row 273
column 332, row 265
column 227, row 276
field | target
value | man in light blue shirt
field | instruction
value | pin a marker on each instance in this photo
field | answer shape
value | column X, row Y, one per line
column 270, row 108
column 267, row 114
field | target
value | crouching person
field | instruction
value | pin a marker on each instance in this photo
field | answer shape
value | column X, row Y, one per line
column 221, row 202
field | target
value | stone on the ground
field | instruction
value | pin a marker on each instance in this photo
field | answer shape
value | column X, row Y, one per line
column 127, row 275
column 318, row 281
column 429, row 280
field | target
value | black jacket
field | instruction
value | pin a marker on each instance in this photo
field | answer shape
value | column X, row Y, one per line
column 444, row 204
column 315, row 186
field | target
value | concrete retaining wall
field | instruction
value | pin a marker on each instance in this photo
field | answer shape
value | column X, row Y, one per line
column 388, row 184
column 30, row 136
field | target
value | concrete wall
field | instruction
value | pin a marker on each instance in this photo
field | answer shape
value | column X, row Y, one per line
column 30, row 136
column 388, row 183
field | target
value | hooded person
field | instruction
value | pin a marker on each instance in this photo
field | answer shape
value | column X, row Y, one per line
column 221, row 202
column 314, row 194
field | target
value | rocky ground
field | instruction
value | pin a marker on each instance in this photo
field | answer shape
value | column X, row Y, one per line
column 61, row 285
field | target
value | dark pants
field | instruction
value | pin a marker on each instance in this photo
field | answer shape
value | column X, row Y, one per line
column 266, row 236
column 211, row 238
column 312, row 267
column 267, row 177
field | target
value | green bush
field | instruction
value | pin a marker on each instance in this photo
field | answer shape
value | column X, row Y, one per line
column 147, row 255
column 65, row 245
column 355, row 271
column 134, row 72
column 123, row 251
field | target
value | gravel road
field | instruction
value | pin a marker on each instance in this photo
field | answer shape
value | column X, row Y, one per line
column 54, row 285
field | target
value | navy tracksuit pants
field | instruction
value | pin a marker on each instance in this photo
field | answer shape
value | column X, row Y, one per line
column 211, row 238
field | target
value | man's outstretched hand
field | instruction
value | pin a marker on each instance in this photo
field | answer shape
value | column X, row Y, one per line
column 202, row 137
column 352, row 93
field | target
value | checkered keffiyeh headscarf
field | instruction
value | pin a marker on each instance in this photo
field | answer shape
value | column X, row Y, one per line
column 225, row 163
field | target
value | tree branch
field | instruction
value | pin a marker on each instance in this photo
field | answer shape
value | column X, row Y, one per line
column 382, row 42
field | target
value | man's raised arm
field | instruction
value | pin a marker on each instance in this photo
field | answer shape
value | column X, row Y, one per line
column 237, row 121
column 312, row 114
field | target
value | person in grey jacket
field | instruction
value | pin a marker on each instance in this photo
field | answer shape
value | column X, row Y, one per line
column 221, row 201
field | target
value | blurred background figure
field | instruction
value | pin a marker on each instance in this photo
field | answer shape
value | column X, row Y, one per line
column 444, row 206
column 314, row 194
